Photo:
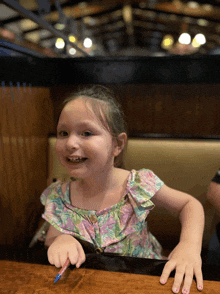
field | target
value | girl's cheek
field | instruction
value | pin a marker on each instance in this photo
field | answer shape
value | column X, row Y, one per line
column 58, row 150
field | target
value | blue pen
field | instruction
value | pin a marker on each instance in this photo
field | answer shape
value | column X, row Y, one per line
column 64, row 267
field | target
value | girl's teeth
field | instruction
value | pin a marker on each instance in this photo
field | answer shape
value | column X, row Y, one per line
column 75, row 160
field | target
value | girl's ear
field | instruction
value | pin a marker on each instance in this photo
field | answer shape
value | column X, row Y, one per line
column 120, row 143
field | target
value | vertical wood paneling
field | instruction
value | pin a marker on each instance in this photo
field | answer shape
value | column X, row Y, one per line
column 27, row 117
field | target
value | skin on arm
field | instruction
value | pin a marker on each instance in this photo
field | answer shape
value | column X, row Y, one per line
column 63, row 246
column 185, row 258
column 213, row 195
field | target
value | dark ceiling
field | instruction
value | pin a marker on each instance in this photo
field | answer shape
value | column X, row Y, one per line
column 117, row 28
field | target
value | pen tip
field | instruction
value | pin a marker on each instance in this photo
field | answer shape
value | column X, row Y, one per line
column 57, row 278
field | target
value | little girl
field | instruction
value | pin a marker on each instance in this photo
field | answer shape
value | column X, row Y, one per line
column 107, row 206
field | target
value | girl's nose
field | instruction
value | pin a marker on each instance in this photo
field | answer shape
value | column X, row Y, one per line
column 72, row 143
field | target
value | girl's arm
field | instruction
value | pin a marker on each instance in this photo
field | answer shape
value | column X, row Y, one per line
column 52, row 233
column 185, row 257
column 63, row 246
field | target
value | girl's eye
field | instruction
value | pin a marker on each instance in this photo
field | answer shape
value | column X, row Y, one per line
column 62, row 134
column 86, row 134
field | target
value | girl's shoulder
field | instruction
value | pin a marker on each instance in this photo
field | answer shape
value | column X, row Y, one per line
column 142, row 175
column 122, row 173
column 144, row 179
column 53, row 191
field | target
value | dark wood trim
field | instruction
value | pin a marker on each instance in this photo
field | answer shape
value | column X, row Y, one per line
column 174, row 136
column 49, row 72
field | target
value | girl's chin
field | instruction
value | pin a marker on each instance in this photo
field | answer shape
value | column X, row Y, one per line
column 76, row 174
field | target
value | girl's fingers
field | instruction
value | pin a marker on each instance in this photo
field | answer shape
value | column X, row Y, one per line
column 180, row 271
column 56, row 262
column 199, row 277
column 168, row 268
column 77, row 256
column 188, row 280
column 81, row 256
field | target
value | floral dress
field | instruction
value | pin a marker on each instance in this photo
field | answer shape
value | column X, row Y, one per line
column 121, row 228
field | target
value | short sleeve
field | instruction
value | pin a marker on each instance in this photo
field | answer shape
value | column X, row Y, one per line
column 50, row 192
column 142, row 186
column 53, row 200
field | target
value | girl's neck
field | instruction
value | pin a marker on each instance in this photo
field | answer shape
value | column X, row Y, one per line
column 101, row 193
column 98, row 184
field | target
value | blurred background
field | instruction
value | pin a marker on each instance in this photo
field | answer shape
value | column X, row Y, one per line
column 110, row 28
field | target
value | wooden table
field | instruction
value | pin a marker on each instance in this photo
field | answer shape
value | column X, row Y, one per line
column 27, row 278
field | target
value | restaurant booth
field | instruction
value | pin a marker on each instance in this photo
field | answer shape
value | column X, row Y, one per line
column 171, row 106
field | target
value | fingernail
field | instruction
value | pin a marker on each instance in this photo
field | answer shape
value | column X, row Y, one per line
column 185, row 291
column 200, row 288
column 176, row 290
column 162, row 281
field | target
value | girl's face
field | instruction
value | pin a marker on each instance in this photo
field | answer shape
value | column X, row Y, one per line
column 83, row 145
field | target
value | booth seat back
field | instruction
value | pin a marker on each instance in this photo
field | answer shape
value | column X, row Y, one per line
column 185, row 165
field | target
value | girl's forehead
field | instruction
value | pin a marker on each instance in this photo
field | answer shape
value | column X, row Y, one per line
column 79, row 105
column 78, row 110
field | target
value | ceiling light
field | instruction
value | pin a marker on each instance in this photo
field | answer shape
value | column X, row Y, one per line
column 33, row 37
column 185, row 39
column 200, row 38
column 72, row 51
column 167, row 42
column 127, row 13
column 72, row 39
column 202, row 22
column 193, row 4
column 59, row 26
column 27, row 24
column 87, row 43
column 60, row 44
column 195, row 43
column 207, row 7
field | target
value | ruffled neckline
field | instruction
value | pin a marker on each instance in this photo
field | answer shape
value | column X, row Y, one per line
column 66, row 197
column 141, row 187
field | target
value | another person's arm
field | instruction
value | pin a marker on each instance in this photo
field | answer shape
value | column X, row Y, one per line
column 213, row 194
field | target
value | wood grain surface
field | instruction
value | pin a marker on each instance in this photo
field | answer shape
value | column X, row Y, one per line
column 26, row 119
column 24, row 278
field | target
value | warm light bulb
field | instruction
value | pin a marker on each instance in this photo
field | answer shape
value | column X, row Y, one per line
column 72, row 39
column 185, row 39
column 72, row 51
column 195, row 43
column 200, row 38
column 59, row 26
column 167, row 42
column 87, row 43
column 60, row 44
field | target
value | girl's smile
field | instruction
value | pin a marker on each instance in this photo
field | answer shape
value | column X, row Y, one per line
column 76, row 159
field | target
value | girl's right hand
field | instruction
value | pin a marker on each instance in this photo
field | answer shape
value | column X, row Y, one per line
column 63, row 247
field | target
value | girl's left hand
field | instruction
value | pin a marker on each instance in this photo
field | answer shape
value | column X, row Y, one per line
column 186, row 259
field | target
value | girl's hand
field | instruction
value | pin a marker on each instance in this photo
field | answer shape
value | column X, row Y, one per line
column 187, row 261
column 63, row 247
